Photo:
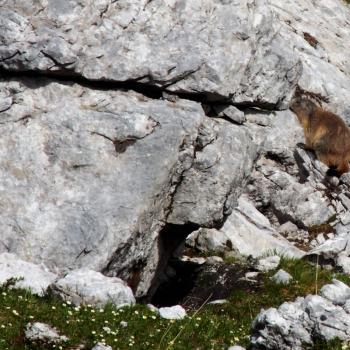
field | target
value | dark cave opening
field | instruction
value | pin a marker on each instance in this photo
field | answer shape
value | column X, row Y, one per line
column 174, row 278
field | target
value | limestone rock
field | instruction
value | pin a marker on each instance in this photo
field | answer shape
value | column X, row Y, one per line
column 343, row 262
column 89, row 287
column 91, row 172
column 41, row 333
column 297, row 324
column 318, row 32
column 176, row 312
column 87, row 175
column 232, row 113
column 269, row 263
column 213, row 260
column 300, row 202
column 334, row 251
column 179, row 45
column 251, row 233
column 205, row 195
column 338, row 292
column 29, row 276
column 212, row 241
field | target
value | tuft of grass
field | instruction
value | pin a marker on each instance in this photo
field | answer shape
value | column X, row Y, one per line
column 210, row 327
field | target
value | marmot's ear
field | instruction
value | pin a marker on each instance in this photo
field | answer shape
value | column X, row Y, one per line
column 305, row 105
column 295, row 104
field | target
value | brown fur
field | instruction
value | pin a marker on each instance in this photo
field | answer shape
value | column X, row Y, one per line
column 325, row 133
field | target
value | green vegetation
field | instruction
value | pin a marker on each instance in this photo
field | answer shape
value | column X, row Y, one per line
column 210, row 327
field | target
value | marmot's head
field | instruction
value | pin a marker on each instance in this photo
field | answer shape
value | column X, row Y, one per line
column 303, row 106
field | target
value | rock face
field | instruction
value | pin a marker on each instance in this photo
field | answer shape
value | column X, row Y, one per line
column 29, row 276
column 225, row 147
column 245, row 232
column 268, row 264
column 89, row 287
column 105, row 146
column 297, row 324
column 183, row 46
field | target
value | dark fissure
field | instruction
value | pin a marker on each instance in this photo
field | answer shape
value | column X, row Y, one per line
column 173, row 278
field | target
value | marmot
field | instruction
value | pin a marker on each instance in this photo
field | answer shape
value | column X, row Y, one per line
column 325, row 133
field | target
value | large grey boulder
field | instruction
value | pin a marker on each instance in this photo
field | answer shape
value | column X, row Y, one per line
column 26, row 275
column 85, row 286
column 297, row 324
column 87, row 175
column 92, row 176
column 183, row 46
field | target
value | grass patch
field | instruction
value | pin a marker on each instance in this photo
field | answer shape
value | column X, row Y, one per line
column 212, row 327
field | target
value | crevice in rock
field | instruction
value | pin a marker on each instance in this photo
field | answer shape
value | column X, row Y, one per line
column 65, row 75
column 122, row 145
column 129, row 269
column 10, row 57
column 171, row 241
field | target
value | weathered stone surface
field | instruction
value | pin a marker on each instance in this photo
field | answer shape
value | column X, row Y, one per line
column 43, row 334
column 232, row 113
column 204, row 196
column 176, row 312
column 282, row 136
column 297, row 324
column 269, row 263
column 90, row 176
column 319, row 34
column 90, row 287
column 210, row 241
column 338, row 292
column 251, row 233
column 290, row 186
column 87, row 175
column 183, row 46
column 343, row 262
column 334, row 251
column 29, row 276
column 288, row 228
